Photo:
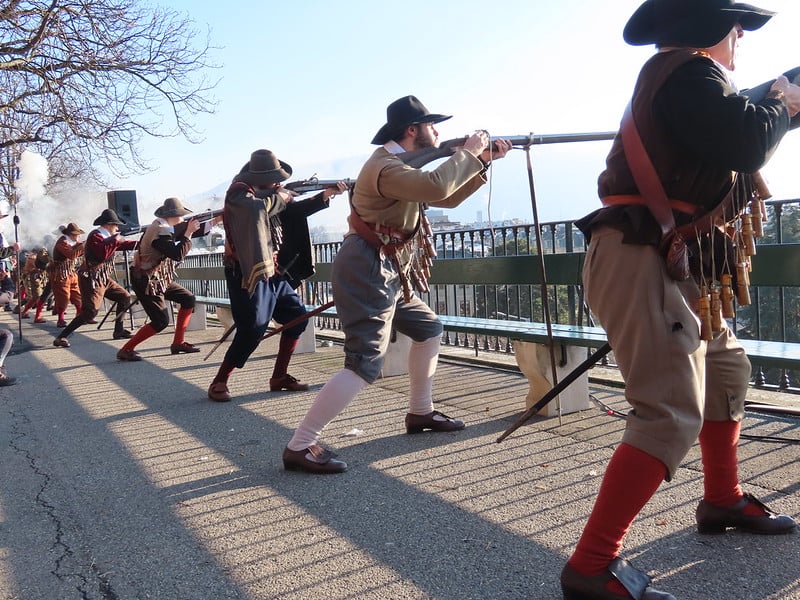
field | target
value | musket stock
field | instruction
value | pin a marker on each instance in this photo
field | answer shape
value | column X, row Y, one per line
column 419, row 158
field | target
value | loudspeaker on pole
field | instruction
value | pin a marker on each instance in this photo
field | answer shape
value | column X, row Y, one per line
column 123, row 202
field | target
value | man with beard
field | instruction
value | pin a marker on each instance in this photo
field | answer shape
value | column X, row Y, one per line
column 371, row 274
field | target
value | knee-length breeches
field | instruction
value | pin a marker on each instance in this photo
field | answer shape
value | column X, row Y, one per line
column 369, row 303
column 673, row 379
column 273, row 299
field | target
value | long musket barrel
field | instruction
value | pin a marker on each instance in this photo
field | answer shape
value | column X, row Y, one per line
column 419, row 158
column 315, row 185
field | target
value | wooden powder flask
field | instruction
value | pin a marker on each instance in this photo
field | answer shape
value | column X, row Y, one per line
column 716, row 309
column 748, row 235
column 757, row 211
column 704, row 303
column 742, row 284
column 726, row 296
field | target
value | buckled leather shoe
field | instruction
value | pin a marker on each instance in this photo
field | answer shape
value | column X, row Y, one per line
column 61, row 324
column 287, row 382
column 218, row 392
column 584, row 587
column 713, row 519
column 5, row 380
column 121, row 334
column 183, row 347
column 60, row 342
column 128, row 355
column 314, row 459
column 435, row 421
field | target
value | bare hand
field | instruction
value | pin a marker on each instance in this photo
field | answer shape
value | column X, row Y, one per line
column 477, row 143
column 791, row 93
column 330, row 192
column 192, row 226
column 497, row 149
column 285, row 195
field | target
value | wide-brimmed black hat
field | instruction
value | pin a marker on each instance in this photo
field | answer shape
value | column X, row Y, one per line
column 403, row 112
column 690, row 23
column 172, row 207
column 264, row 168
column 72, row 229
column 108, row 217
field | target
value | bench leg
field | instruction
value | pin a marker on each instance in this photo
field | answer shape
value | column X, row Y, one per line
column 534, row 362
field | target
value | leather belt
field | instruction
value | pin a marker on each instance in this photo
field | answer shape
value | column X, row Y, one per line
column 634, row 199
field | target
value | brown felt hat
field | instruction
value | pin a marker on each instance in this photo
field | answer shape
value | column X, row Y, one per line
column 263, row 169
column 71, row 229
column 690, row 23
column 172, row 207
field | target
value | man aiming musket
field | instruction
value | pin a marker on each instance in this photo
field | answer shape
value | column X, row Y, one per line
column 374, row 275
column 258, row 289
column 153, row 277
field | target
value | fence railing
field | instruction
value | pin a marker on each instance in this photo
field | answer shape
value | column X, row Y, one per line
column 511, row 288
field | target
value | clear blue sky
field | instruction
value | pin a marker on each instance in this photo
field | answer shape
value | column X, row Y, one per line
column 311, row 79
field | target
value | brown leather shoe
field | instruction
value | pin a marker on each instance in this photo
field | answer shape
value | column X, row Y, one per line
column 61, row 342
column 5, row 380
column 218, row 392
column 716, row 519
column 434, row 421
column 314, row 459
column 61, row 324
column 584, row 587
column 183, row 347
column 40, row 320
column 287, row 382
column 128, row 355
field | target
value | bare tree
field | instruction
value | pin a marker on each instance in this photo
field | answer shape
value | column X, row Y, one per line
column 82, row 82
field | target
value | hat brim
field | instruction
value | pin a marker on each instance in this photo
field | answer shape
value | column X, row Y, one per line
column 702, row 30
column 100, row 222
column 165, row 214
column 390, row 131
column 264, row 178
column 73, row 231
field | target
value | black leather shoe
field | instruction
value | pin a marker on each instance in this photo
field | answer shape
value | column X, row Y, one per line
column 183, row 347
column 121, row 334
column 61, row 342
column 287, row 382
column 435, row 421
column 128, row 355
column 716, row 519
column 314, row 459
column 583, row 587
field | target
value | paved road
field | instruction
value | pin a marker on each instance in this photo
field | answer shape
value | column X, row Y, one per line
column 122, row 481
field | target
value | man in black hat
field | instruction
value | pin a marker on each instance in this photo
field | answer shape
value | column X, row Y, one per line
column 372, row 265
column 152, row 278
column 62, row 274
column 668, row 178
column 258, row 290
column 96, row 277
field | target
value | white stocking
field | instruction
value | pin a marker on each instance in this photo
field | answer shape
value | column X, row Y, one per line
column 332, row 399
column 422, row 359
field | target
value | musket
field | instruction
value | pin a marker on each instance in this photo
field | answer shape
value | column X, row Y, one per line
column 759, row 92
column 313, row 184
column 204, row 218
column 419, row 158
